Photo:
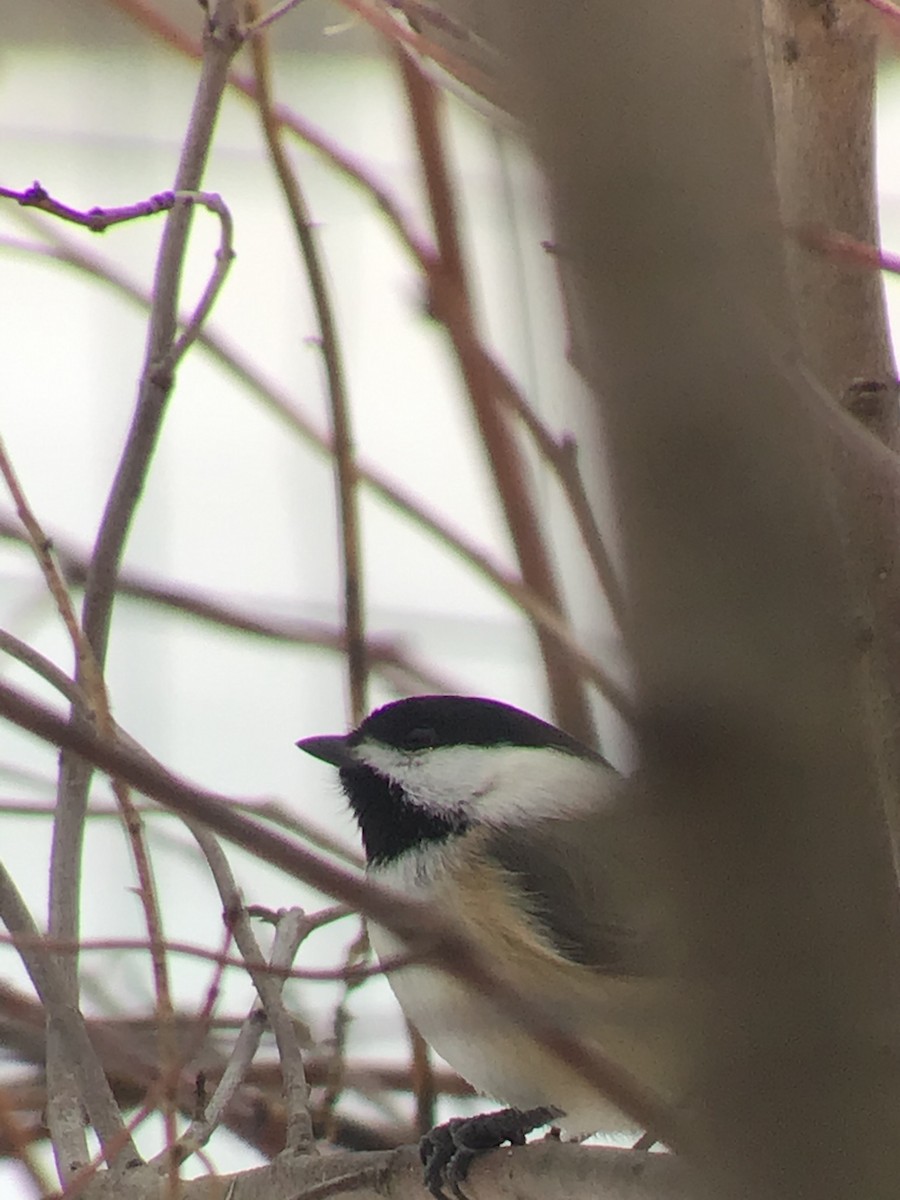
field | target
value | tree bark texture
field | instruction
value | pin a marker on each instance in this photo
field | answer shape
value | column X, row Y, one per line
column 763, row 660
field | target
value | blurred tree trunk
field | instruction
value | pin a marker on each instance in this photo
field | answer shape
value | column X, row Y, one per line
column 822, row 60
column 761, row 578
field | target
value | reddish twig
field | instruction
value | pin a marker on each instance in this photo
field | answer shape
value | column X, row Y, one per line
column 42, row 549
column 15, row 1136
column 256, row 24
column 160, row 26
column 886, row 7
column 97, row 219
column 384, row 652
column 352, row 974
column 354, row 960
column 403, row 36
column 841, row 247
column 451, row 301
column 427, row 14
column 561, row 454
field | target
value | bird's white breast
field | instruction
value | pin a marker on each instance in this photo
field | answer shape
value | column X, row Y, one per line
column 477, row 1038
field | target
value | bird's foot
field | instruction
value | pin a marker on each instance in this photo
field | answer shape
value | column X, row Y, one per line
column 448, row 1150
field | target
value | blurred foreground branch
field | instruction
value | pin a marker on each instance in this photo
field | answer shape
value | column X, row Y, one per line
column 768, row 730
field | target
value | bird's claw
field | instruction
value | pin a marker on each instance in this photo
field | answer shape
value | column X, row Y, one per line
column 448, row 1150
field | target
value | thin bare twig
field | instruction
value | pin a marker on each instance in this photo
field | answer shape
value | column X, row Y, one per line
column 278, row 813
column 406, row 39
column 357, row 953
column 42, row 666
column 385, row 653
column 256, row 1116
column 204, row 1124
column 451, row 301
column 428, row 14
column 15, row 1136
column 270, row 810
column 203, row 307
column 353, row 974
column 204, row 1018
column 97, row 219
column 152, row 20
column 561, row 454
column 422, row 1081
column 299, row 1136
column 393, row 493
column 346, row 473
column 160, row 361
column 846, row 249
column 91, row 682
column 886, row 7
column 292, row 927
column 44, row 971
column 257, row 24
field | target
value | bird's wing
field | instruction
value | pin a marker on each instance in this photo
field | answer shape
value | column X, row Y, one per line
column 585, row 892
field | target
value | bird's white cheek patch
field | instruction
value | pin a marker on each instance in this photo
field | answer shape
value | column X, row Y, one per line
column 497, row 784
column 530, row 784
column 442, row 780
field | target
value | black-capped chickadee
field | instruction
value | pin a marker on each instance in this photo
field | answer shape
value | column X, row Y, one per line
column 510, row 825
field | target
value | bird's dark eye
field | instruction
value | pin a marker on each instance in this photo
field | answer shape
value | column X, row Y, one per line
column 420, row 738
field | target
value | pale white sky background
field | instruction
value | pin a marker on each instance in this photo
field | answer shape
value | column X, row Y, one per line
column 235, row 506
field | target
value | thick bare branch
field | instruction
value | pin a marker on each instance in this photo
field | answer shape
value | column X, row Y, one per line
column 822, row 60
column 760, row 735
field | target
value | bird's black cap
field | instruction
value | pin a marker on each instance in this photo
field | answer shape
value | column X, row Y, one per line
column 422, row 722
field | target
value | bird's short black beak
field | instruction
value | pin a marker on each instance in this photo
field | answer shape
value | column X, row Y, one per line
column 333, row 749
